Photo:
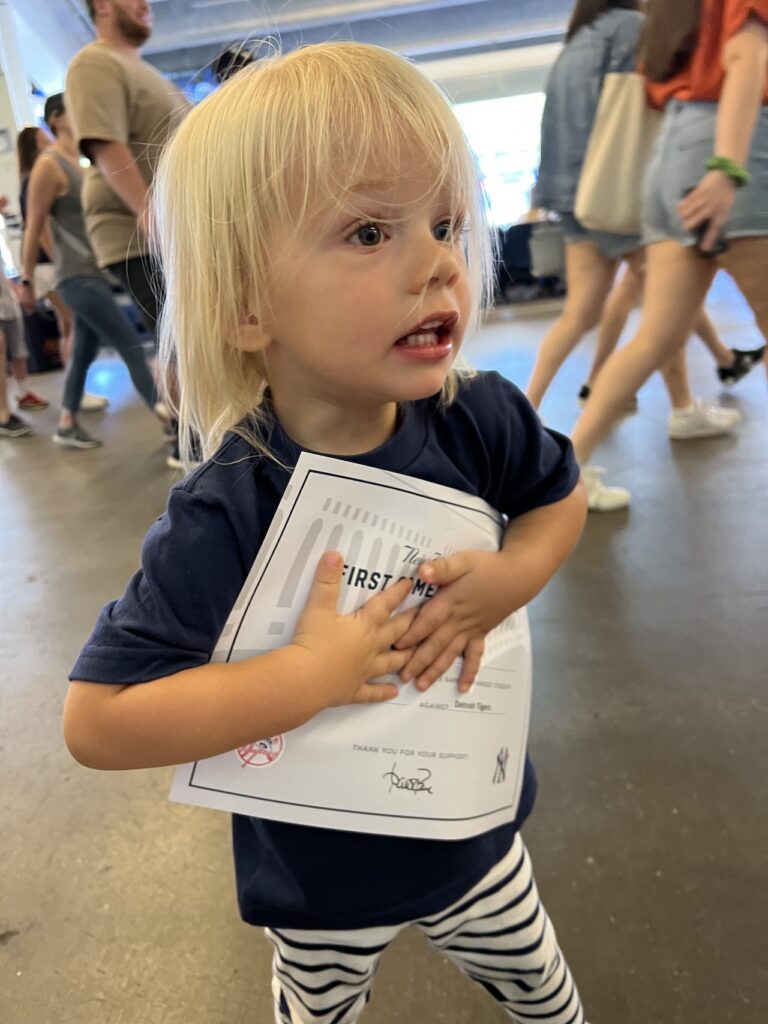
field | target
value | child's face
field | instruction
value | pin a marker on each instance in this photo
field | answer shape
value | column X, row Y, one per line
column 371, row 310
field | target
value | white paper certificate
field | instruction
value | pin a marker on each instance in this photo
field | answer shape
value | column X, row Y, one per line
column 440, row 764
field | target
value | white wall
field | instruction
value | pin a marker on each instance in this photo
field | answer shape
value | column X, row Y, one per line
column 497, row 73
column 9, row 179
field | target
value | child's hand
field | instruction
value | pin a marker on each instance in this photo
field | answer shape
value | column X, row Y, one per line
column 349, row 650
column 476, row 594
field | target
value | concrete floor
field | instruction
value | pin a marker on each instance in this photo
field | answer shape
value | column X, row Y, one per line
column 648, row 732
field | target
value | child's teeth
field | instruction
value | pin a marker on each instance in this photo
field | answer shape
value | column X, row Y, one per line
column 421, row 340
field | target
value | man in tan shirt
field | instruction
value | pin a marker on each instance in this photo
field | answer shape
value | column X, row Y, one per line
column 123, row 112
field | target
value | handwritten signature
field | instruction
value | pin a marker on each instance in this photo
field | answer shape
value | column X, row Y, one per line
column 413, row 785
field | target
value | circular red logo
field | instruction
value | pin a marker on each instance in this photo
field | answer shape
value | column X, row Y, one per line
column 261, row 753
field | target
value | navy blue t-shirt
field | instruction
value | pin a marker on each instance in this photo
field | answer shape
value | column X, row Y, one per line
column 195, row 559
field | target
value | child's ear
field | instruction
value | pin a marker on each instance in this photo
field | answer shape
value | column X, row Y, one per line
column 252, row 337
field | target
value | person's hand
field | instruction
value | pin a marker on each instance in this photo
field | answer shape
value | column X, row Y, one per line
column 712, row 200
column 347, row 651
column 476, row 594
column 27, row 298
column 144, row 219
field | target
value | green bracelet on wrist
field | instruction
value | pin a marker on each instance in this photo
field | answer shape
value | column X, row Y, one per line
column 739, row 175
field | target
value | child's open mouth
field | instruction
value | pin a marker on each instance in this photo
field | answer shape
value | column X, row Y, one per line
column 431, row 339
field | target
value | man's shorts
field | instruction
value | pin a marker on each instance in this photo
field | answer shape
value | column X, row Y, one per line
column 15, row 346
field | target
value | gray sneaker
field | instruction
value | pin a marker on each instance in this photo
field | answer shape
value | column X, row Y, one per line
column 14, row 426
column 76, row 437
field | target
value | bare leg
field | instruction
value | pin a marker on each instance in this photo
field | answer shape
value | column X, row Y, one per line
column 590, row 276
column 625, row 296
column 677, row 283
column 19, row 370
column 5, row 412
column 675, row 374
column 746, row 261
column 705, row 329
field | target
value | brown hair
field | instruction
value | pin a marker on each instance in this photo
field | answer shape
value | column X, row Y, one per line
column 669, row 38
column 26, row 150
column 585, row 12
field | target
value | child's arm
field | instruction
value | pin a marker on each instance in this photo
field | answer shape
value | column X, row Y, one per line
column 209, row 710
column 478, row 589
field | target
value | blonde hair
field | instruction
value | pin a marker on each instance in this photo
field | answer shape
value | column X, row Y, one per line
column 282, row 141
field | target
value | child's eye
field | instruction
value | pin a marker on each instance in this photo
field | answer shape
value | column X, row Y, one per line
column 368, row 235
column 447, row 230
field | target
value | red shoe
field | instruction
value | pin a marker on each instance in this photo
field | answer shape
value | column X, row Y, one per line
column 29, row 400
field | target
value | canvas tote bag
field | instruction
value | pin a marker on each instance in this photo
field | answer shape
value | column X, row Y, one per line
column 610, row 192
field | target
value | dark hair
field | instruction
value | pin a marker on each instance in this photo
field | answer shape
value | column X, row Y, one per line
column 54, row 106
column 230, row 62
column 585, row 12
column 91, row 8
column 26, row 150
column 669, row 37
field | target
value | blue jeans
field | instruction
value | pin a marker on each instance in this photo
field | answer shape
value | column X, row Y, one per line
column 100, row 321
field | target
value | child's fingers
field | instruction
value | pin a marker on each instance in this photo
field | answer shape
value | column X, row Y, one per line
column 389, row 663
column 379, row 608
column 446, row 569
column 473, row 656
column 375, row 693
column 324, row 592
column 431, row 616
column 427, row 653
column 440, row 665
column 395, row 628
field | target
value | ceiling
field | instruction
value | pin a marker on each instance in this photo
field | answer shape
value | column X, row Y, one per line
column 189, row 33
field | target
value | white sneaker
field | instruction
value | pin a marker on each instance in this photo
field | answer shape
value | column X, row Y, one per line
column 93, row 403
column 701, row 419
column 599, row 497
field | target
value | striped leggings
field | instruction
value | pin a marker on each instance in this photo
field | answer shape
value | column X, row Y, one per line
column 498, row 934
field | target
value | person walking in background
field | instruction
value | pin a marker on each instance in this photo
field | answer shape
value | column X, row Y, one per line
column 689, row 418
column 30, row 143
column 707, row 192
column 15, row 351
column 602, row 37
column 11, row 334
column 123, row 111
column 54, row 192
column 731, row 364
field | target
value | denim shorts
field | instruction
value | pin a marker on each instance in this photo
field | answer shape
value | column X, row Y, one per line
column 613, row 247
column 686, row 142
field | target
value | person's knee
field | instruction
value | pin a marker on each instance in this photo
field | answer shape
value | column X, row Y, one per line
column 582, row 317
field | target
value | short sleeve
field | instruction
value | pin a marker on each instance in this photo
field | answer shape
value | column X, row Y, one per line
column 522, row 465
column 738, row 12
column 175, row 606
column 624, row 44
column 97, row 99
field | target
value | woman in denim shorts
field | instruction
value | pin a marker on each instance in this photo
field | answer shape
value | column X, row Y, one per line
column 602, row 37
column 707, row 188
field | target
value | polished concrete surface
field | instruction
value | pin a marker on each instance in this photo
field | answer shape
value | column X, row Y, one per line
column 649, row 734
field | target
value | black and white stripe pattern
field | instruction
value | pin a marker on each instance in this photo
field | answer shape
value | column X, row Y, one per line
column 498, row 934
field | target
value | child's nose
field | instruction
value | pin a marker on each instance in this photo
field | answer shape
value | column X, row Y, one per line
column 437, row 266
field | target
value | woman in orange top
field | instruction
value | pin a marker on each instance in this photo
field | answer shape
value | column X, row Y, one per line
column 707, row 189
